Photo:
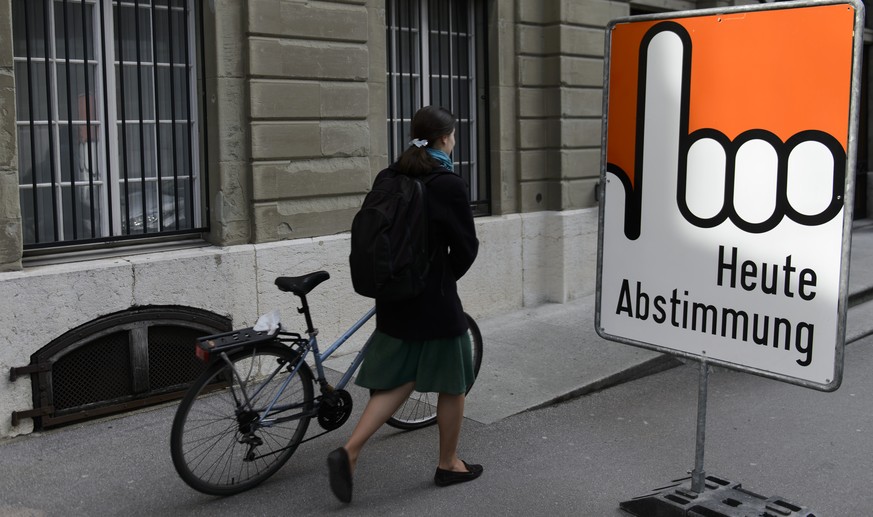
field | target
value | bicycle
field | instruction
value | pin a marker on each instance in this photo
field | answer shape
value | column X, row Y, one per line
column 244, row 417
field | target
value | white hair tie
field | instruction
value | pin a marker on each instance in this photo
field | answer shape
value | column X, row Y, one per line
column 418, row 143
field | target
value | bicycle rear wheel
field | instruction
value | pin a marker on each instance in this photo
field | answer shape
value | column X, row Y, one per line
column 219, row 443
column 419, row 410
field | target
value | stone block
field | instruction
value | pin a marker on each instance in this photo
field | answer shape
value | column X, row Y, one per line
column 537, row 196
column 539, row 164
column 596, row 13
column 539, row 133
column 230, row 233
column 559, row 255
column 500, row 256
column 228, row 120
column 9, row 208
column 539, row 71
column 539, row 102
column 503, row 43
column 688, row 5
column 581, row 102
column 581, row 71
column 581, row 132
column 346, row 138
column 539, row 12
column 378, row 105
column 308, row 20
column 580, row 252
column 214, row 279
column 539, row 40
column 582, row 41
column 233, row 184
column 377, row 44
column 307, row 59
column 542, row 256
column 504, row 190
column 8, row 127
column 281, row 99
column 6, row 34
column 579, row 193
column 309, row 178
column 275, row 140
column 10, row 244
column 301, row 218
column 345, row 100
column 580, row 163
column 225, row 39
column 504, row 109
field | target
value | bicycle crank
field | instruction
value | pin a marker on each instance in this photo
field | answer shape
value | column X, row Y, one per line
column 334, row 410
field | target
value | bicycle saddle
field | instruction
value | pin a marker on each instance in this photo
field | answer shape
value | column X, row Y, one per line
column 301, row 285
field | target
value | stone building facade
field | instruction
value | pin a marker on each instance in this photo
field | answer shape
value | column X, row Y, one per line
column 294, row 102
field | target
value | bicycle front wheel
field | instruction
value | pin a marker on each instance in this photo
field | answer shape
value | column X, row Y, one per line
column 419, row 410
column 222, row 442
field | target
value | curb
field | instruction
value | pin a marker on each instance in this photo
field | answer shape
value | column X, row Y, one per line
column 648, row 367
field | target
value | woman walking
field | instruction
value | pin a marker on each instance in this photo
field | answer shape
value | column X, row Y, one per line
column 422, row 344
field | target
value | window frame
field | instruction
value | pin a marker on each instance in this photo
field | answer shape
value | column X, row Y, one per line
column 406, row 24
column 103, row 131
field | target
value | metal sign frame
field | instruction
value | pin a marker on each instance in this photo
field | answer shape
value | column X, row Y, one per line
column 851, row 151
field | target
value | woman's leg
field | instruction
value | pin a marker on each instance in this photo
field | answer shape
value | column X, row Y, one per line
column 380, row 407
column 450, row 415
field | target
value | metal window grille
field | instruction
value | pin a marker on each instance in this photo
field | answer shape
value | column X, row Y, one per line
column 437, row 56
column 108, row 117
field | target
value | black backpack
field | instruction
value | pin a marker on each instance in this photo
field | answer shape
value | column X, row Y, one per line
column 390, row 258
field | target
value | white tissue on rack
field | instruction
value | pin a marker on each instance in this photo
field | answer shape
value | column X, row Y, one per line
column 269, row 322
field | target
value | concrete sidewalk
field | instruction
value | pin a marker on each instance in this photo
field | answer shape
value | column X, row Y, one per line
column 535, row 357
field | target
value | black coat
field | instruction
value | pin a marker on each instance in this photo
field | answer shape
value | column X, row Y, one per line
column 437, row 312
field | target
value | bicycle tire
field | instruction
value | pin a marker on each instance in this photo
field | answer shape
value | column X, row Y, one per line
column 419, row 410
column 211, row 450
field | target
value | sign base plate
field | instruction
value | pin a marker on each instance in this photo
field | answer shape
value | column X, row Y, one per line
column 721, row 498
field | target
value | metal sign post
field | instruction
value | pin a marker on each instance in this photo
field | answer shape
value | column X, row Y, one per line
column 698, row 475
column 727, row 181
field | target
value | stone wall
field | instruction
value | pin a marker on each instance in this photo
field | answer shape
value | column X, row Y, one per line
column 560, row 114
column 310, row 77
column 10, row 212
column 228, row 143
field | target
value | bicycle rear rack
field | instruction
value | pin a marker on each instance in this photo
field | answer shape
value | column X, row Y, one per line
column 217, row 343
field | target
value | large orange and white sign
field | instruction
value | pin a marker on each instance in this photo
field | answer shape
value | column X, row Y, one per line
column 724, row 218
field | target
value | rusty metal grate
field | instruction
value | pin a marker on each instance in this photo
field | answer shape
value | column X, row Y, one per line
column 123, row 361
column 171, row 356
column 93, row 374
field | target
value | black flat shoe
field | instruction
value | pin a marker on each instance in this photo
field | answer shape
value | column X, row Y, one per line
column 450, row 477
column 340, row 471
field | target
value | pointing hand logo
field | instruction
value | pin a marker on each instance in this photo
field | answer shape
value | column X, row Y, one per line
column 753, row 180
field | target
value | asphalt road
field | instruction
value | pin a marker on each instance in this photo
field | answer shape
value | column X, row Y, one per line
column 581, row 457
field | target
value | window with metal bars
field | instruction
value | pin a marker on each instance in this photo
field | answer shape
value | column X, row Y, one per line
column 437, row 56
column 110, row 139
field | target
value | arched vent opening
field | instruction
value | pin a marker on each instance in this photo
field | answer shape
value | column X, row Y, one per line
column 119, row 362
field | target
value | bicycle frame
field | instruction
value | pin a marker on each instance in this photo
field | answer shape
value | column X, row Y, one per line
column 319, row 359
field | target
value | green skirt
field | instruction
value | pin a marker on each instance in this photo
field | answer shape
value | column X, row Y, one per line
column 435, row 365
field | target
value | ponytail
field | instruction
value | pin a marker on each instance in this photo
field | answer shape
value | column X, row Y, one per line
column 428, row 124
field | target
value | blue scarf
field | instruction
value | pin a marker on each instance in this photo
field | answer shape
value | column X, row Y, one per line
column 441, row 157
